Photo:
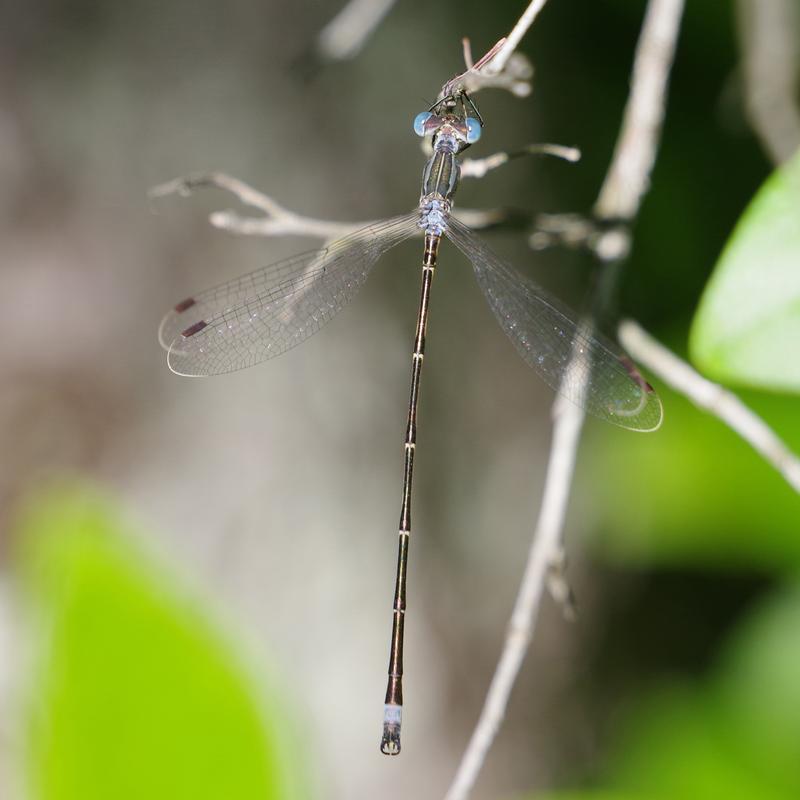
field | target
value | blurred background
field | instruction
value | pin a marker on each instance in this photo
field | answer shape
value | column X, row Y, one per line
column 261, row 507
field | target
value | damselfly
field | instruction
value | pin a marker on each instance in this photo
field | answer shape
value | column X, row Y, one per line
column 269, row 311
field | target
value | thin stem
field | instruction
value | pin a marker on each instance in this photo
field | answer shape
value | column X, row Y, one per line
column 568, row 419
column 770, row 54
column 620, row 196
column 712, row 397
column 478, row 167
column 628, row 178
column 344, row 36
column 513, row 75
column 515, row 37
column 280, row 221
column 277, row 220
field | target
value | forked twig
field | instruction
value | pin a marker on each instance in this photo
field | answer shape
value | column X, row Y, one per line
column 514, row 76
column 620, row 197
column 277, row 220
column 502, row 67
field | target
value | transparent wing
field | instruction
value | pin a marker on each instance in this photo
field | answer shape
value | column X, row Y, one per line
column 269, row 311
column 584, row 366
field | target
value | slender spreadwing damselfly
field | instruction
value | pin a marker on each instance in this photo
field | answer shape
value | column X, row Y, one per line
column 269, row 311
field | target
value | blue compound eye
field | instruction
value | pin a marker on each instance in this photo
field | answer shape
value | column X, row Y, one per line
column 473, row 130
column 419, row 122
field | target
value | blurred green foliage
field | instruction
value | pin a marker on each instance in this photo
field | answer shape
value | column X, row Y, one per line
column 695, row 494
column 735, row 734
column 747, row 327
column 135, row 694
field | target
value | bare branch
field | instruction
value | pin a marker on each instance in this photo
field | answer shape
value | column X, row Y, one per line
column 620, row 197
column 478, row 167
column 568, row 420
column 768, row 32
column 466, row 46
column 608, row 243
column 501, row 67
column 515, row 77
column 482, row 218
column 280, row 221
column 344, row 36
column 712, row 397
column 277, row 220
column 629, row 176
column 219, row 180
column 513, row 39
column 286, row 224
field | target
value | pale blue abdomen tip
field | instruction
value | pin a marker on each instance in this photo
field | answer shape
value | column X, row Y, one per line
column 390, row 741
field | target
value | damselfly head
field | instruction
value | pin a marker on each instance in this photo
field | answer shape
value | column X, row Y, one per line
column 465, row 130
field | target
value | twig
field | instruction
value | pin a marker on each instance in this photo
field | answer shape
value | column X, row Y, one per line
column 478, row 167
column 277, row 220
column 281, row 226
column 634, row 156
column 768, row 31
column 712, row 397
column 501, row 67
column 514, row 74
column 513, row 39
column 280, row 221
column 515, row 77
column 344, row 36
column 610, row 243
column 628, row 178
column 620, row 197
column 560, row 467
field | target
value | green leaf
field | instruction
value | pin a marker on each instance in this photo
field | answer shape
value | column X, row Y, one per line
column 747, row 327
column 135, row 694
column 694, row 495
column 735, row 735
column 683, row 744
column 590, row 794
column 759, row 683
